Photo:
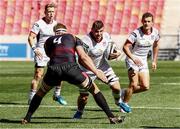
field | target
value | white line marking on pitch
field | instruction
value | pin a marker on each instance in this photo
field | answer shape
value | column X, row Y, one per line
column 51, row 106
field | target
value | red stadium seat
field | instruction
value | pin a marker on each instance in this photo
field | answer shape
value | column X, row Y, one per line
column 3, row 6
column 83, row 28
column 84, row 21
column 119, row 16
column 116, row 28
column 61, row 9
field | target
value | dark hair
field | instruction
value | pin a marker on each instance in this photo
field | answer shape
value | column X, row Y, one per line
column 147, row 14
column 98, row 24
column 50, row 5
column 59, row 26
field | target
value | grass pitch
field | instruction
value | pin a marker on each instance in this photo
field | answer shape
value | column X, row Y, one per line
column 157, row 108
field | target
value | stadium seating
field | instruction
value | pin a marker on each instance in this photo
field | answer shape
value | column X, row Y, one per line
column 119, row 16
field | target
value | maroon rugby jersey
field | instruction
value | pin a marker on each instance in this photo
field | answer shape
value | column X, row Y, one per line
column 61, row 48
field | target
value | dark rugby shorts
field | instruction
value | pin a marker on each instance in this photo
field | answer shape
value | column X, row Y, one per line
column 69, row 72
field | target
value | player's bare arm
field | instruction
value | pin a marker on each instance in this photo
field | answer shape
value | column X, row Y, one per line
column 31, row 40
column 127, row 51
column 155, row 54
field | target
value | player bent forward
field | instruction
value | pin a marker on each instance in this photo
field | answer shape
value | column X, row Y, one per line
column 96, row 43
column 63, row 67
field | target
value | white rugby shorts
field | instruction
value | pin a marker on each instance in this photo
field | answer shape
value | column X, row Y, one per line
column 131, row 65
column 41, row 62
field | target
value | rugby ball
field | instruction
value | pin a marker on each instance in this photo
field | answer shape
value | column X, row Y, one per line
column 111, row 48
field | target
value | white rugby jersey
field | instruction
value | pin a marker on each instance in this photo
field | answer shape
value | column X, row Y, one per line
column 142, row 43
column 43, row 31
column 97, row 50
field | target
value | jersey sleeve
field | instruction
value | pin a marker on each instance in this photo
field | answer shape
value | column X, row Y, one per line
column 132, row 37
column 107, row 37
column 157, row 35
column 35, row 28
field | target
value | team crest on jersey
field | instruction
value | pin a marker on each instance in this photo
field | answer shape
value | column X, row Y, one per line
column 152, row 37
column 36, row 25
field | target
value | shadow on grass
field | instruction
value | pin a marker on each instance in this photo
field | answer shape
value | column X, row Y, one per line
column 9, row 121
column 69, row 118
column 96, row 110
column 52, row 118
column 38, row 122
column 4, row 103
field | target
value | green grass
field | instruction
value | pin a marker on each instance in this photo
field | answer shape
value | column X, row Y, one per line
column 158, row 107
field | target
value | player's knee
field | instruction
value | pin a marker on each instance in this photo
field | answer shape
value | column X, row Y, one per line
column 115, row 90
column 87, row 84
column 38, row 76
column 43, row 89
column 133, row 86
column 145, row 87
column 34, row 82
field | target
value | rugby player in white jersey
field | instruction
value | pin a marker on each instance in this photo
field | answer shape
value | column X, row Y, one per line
column 41, row 31
column 96, row 43
column 136, row 47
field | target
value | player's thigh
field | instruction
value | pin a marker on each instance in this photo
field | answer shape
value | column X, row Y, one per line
column 53, row 76
column 75, row 75
column 144, row 79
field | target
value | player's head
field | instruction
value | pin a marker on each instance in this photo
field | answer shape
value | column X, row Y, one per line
column 147, row 21
column 49, row 12
column 60, row 29
column 97, row 30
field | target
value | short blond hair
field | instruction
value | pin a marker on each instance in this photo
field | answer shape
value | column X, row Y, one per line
column 50, row 5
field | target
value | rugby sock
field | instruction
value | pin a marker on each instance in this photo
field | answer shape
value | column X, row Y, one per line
column 101, row 101
column 33, row 106
column 57, row 91
column 117, row 97
column 32, row 93
column 123, row 92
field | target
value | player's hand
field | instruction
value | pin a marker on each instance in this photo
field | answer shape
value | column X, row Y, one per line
column 38, row 53
column 154, row 66
column 115, row 55
column 100, row 74
column 137, row 61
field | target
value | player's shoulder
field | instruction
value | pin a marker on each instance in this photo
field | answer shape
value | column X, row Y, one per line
column 38, row 23
column 135, row 32
column 86, row 39
column 155, row 31
column 106, row 35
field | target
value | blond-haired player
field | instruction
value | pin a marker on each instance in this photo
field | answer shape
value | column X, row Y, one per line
column 41, row 31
